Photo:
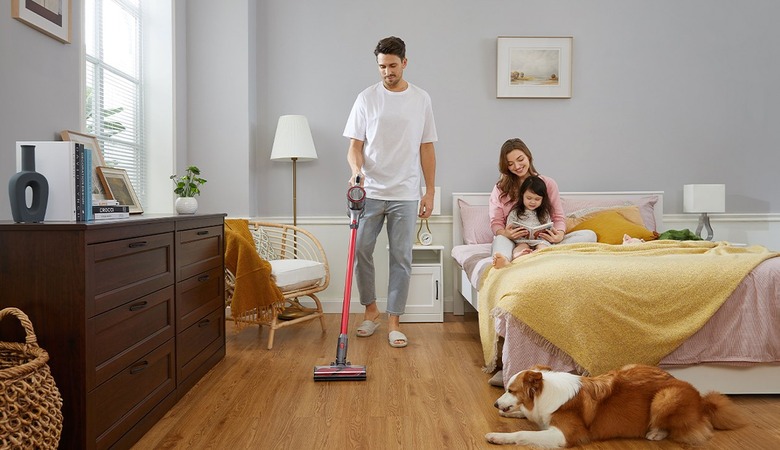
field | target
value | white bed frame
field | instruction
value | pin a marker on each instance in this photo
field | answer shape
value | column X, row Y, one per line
column 754, row 379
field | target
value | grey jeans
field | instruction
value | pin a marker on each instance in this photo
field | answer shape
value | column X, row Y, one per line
column 401, row 221
column 505, row 246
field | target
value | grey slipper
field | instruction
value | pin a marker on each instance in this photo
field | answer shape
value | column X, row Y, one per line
column 397, row 336
column 367, row 328
column 497, row 379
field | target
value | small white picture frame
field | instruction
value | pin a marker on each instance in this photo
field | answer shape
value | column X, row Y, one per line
column 534, row 67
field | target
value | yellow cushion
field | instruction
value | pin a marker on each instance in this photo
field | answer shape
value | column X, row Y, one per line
column 629, row 212
column 610, row 226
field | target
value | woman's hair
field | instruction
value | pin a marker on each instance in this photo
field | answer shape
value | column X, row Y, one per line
column 538, row 187
column 509, row 183
column 391, row 46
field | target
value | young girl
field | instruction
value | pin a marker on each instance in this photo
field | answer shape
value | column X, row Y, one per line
column 533, row 209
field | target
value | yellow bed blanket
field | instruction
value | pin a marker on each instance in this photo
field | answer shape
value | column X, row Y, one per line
column 255, row 292
column 609, row 305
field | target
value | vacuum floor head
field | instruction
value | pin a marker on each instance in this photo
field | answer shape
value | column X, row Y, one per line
column 339, row 372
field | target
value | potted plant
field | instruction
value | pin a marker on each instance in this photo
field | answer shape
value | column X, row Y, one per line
column 187, row 187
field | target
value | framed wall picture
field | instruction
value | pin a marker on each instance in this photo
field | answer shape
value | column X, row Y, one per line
column 90, row 142
column 51, row 17
column 533, row 67
column 117, row 185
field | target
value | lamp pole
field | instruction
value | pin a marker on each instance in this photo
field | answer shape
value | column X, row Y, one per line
column 295, row 194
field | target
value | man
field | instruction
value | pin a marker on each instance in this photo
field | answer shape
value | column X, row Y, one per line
column 391, row 132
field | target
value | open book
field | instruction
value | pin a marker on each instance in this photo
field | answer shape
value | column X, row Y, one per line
column 533, row 232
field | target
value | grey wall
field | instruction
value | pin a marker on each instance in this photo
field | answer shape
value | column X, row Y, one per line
column 221, row 110
column 39, row 89
column 664, row 93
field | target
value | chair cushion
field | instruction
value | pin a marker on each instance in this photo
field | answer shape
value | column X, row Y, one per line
column 296, row 273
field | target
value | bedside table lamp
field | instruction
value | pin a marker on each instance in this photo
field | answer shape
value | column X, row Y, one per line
column 293, row 142
column 704, row 198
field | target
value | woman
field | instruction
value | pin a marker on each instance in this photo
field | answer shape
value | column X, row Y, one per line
column 516, row 164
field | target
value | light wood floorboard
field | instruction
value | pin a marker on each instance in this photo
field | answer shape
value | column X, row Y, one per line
column 430, row 395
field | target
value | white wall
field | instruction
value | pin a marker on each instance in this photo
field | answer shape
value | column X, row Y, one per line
column 159, row 106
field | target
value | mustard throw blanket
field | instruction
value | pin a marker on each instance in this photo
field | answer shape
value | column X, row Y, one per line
column 610, row 305
column 255, row 289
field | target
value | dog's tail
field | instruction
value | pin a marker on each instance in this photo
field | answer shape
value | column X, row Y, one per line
column 722, row 412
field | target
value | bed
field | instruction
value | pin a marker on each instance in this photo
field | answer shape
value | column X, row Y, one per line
column 735, row 351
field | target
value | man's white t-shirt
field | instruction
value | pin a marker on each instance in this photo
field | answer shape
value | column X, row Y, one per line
column 392, row 125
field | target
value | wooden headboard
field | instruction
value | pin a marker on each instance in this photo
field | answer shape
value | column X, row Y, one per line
column 482, row 198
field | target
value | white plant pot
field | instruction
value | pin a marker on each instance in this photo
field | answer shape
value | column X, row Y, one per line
column 186, row 205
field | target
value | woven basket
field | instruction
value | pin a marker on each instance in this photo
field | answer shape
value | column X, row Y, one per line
column 30, row 404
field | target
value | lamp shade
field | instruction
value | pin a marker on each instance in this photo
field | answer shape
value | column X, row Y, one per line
column 704, row 198
column 293, row 139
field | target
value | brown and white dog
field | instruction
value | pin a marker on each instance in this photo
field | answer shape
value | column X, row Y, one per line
column 632, row 402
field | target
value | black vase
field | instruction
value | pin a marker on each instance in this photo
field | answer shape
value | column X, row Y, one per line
column 17, row 190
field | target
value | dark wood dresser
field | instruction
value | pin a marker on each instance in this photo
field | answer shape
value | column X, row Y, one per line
column 131, row 312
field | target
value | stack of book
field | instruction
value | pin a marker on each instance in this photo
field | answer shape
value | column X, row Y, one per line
column 109, row 209
column 68, row 169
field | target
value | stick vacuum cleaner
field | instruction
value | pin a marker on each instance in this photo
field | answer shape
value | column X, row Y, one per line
column 341, row 369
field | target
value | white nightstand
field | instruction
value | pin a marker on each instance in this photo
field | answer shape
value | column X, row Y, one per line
column 426, row 296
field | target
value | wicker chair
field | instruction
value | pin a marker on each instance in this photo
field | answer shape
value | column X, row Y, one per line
column 301, row 269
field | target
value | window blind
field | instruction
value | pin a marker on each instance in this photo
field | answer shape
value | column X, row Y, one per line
column 114, row 85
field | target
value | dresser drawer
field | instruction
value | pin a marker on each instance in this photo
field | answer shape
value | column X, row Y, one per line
column 124, row 399
column 123, row 270
column 199, row 295
column 198, row 250
column 124, row 334
column 198, row 342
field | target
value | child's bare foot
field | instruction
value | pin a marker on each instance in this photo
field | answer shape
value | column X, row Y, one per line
column 522, row 252
column 500, row 261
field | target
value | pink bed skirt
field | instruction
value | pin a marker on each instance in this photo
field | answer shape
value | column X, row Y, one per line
column 744, row 331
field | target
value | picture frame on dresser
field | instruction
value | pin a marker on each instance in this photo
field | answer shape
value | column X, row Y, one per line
column 117, row 186
column 91, row 142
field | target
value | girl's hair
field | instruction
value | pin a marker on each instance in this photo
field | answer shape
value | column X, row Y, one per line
column 509, row 183
column 538, row 187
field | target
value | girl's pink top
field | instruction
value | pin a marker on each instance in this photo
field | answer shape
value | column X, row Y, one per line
column 499, row 207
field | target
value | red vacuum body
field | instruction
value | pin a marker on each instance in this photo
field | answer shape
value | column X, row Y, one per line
column 341, row 369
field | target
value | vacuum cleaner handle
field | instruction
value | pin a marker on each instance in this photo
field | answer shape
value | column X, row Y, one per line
column 356, row 200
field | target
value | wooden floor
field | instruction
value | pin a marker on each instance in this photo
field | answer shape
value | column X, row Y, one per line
column 430, row 395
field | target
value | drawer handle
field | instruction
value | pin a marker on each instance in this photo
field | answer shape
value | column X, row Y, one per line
column 138, row 244
column 203, row 232
column 139, row 305
column 203, row 323
column 203, row 278
column 139, row 368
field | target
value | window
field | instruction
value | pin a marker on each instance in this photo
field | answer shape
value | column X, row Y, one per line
column 114, row 85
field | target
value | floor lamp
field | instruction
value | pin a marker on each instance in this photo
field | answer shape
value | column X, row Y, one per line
column 293, row 142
